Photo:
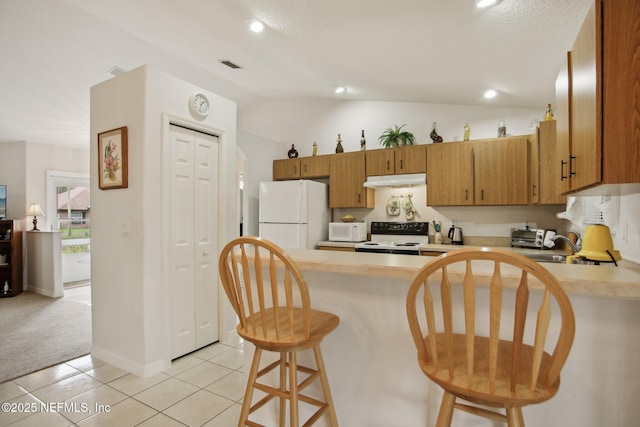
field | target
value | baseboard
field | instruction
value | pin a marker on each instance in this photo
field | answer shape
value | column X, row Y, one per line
column 46, row 292
column 141, row 370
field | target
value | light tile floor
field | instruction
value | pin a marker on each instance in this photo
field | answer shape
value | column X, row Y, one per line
column 204, row 388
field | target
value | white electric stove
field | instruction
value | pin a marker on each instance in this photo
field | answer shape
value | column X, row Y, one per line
column 396, row 238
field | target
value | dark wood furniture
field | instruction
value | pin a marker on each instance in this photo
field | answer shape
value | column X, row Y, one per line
column 10, row 258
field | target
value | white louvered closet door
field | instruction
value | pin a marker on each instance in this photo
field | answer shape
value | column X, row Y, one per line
column 194, row 240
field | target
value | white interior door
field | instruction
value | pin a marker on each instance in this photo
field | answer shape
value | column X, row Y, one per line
column 194, row 280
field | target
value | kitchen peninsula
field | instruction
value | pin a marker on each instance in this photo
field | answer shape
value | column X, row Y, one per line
column 371, row 360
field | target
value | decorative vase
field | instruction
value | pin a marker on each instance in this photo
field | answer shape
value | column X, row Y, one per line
column 293, row 153
column 339, row 148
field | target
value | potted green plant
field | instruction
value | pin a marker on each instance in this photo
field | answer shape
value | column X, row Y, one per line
column 396, row 137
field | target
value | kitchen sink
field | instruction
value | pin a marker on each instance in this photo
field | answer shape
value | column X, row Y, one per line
column 555, row 258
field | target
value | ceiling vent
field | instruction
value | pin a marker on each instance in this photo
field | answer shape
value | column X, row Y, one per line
column 229, row 64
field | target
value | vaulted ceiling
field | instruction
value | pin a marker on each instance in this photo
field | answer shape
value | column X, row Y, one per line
column 432, row 51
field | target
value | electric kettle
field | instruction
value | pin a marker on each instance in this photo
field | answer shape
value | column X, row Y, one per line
column 455, row 235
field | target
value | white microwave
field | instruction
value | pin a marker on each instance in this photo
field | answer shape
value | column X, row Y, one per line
column 347, row 231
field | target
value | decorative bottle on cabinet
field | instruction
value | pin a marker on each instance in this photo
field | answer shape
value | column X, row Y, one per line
column 293, row 153
column 548, row 115
column 339, row 148
column 467, row 131
column 502, row 129
column 363, row 141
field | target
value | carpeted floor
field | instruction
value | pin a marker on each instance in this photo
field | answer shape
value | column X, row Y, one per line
column 37, row 332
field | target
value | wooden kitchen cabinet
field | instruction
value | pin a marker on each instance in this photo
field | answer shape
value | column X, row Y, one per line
column 303, row 167
column 602, row 112
column 396, row 161
column 544, row 175
column 481, row 172
column 315, row 166
column 346, row 182
column 450, row 174
column 501, row 171
column 286, row 169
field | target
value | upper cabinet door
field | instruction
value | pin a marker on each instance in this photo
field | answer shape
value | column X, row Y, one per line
column 585, row 165
column 286, row 169
column 411, row 159
column 450, row 174
column 346, row 183
column 501, row 171
column 563, row 129
column 380, row 162
column 315, row 166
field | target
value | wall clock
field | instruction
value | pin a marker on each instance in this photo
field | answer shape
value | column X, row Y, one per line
column 199, row 104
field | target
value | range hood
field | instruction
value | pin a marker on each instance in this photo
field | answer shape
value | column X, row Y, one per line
column 406, row 180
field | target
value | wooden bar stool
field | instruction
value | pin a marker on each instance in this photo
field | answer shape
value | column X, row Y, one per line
column 508, row 369
column 271, row 299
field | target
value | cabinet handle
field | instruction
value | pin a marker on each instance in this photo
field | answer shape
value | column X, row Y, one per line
column 481, row 194
column 205, row 253
column 534, row 191
column 388, row 165
column 295, row 169
column 562, row 175
column 401, row 164
column 571, row 159
column 358, row 198
column 466, row 194
column 305, row 168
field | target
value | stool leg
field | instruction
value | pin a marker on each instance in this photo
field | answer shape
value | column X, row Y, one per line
column 293, row 388
column 446, row 410
column 514, row 417
column 324, row 381
column 248, row 393
column 283, row 388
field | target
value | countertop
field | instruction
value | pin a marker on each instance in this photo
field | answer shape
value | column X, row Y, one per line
column 595, row 280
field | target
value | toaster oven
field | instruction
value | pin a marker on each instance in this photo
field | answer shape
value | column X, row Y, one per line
column 528, row 237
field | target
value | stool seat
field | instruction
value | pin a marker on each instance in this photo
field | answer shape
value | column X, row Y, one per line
column 271, row 298
column 322, row 323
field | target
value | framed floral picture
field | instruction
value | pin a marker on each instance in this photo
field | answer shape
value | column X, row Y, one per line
column 112, row 159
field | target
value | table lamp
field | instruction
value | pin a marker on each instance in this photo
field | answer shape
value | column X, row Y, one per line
column 35, row 210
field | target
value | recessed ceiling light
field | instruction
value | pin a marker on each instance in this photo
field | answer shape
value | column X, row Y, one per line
column 486, row 3
column 256, row 26
column 341, row 89
column 490, row 94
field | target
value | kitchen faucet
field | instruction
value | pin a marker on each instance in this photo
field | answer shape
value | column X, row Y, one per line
column 575, row 248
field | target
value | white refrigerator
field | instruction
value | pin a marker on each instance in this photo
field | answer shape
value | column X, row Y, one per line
column 294, row 214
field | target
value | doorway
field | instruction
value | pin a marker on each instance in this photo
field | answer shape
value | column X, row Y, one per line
column 69, row 207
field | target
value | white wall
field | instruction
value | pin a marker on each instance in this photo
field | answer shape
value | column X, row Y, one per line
column 258, row 167
column 303, row 122
column 43, row 157
column 629, row 245
column 129, row 294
